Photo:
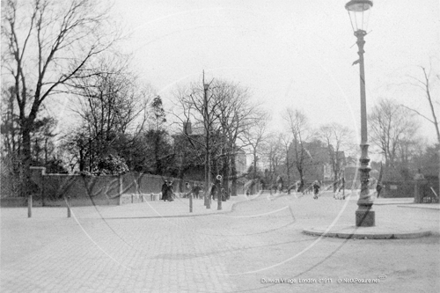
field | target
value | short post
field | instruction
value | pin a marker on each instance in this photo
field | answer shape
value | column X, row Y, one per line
column 30, row 206
column 69, row 212
column 190, row 202
column 219, row 199
column 43, row 203
column 218, row 183
column 418, row 191
column 343, row 187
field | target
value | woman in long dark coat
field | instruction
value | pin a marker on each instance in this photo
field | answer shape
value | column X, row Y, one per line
column 170, row 191
column 164, row 191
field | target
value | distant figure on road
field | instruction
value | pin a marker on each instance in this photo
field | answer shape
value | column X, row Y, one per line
column 224, row 194
column 196, row 190
column 170, row 191
column 298, row 186
column 273, row 187
column 189, row 190
column 248, row 187
column 378, row 189
column 164, row 190
column 337, row 194
column 316, row 188
column 279, row 183
column 342, row 186
column 213, row 192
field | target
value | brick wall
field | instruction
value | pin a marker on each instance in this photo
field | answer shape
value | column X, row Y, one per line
column 98, row 189
column 102, row 190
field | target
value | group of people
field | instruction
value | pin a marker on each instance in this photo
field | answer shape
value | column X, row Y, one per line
column 194, row 190
column 167, row 191
column 277, row 186
column 338, row 188
column 213, row 191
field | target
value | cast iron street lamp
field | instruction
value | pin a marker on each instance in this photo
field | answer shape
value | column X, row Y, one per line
column 208, row 150
column 358, row 11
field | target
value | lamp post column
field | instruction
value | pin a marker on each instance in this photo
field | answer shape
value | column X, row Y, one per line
column 365, row 216
column 207, row 146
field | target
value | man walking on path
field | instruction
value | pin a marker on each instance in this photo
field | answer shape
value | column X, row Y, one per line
column 316, row 188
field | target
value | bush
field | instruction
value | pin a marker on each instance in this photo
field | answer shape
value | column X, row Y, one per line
column 111, row 165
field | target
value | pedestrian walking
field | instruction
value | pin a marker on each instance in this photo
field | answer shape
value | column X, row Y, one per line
column 341, row 187
column 213, row 192
column 196, row 190
column 170, row 191
column 188, row 189
column 164, row 190
column 378, row 189
column 280, row 184
column 316, row 187
column 223, row 193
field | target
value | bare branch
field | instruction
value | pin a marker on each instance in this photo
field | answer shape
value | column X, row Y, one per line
column 417, row 112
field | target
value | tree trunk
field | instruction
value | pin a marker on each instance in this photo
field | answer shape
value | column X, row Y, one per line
column 234, row 176
column 226, row 170
column 301, row 185
column 288, row 174
column 26, row 159
column 81, row 160
column 335, row 184
column 156, row 154
column 255, row 164
column 46, row 154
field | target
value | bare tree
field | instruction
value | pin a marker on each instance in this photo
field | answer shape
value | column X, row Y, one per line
column 274, row 155
column 254, row 137
column 197, row 103
column 110, row 105
column 390, row 126
column 425, row 85
column 337, row 138
column 9, row 124
column 223, row 109
column 286, row 143
column 47, row 44
column 297, row 124
column 234, row 113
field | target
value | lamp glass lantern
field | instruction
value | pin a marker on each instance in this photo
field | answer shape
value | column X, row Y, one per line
column 359, row 12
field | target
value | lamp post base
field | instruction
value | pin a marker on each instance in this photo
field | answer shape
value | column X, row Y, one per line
column 365, row 217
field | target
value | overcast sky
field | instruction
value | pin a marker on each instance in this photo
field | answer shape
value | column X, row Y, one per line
column 295, row 53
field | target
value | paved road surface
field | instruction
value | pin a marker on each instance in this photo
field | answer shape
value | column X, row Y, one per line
column 258, row 247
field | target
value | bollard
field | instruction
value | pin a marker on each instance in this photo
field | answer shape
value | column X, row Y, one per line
column 219, row 198
column 190, row 203
column 30, row 206
column 68, row 207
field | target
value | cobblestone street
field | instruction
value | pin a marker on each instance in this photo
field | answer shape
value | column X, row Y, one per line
column 256, row 247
